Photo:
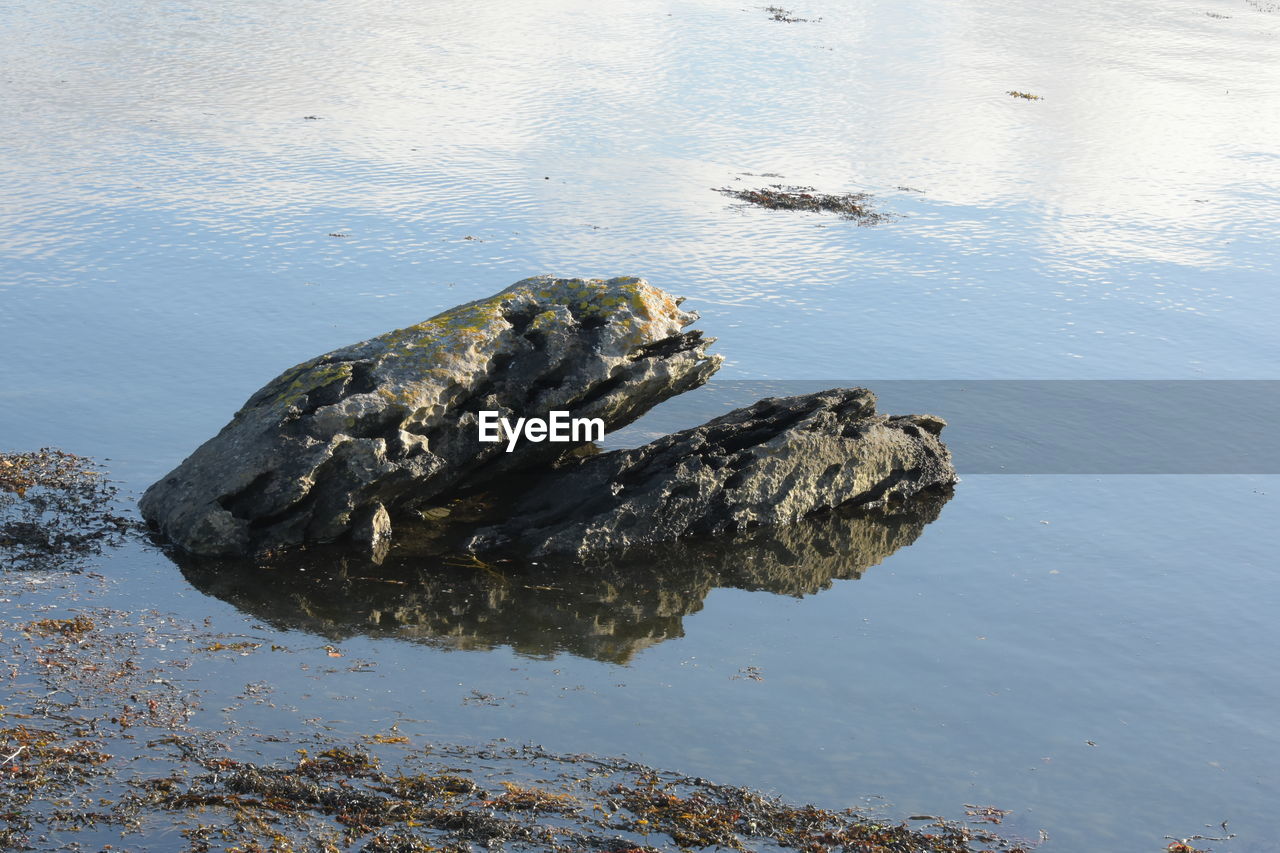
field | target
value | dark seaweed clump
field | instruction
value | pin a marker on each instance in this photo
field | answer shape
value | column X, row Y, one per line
column 786, row 16
column 853, row 206
column 55, row 509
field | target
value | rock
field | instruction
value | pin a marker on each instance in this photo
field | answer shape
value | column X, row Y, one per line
column 372, row 530
column 609, row 610
column 770, row 463
column 391, row 422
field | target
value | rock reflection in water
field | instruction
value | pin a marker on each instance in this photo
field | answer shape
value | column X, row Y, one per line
column 607, row 611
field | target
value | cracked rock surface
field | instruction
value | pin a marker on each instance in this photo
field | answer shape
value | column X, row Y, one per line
column 769, row 463
column 340, row 444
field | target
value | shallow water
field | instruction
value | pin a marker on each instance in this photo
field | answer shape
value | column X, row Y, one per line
column 166, row 247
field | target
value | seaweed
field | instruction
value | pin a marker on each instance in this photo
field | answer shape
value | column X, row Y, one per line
column 56, row 509
column 91, row 680
column 785, row 16
column 852, row 206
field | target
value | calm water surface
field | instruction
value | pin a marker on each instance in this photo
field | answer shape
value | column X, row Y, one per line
column 167, row 221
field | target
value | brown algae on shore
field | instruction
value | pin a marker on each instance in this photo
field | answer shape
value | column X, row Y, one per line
column 73, row 627
column 580, row 803
column 98, row 741
column 851, row 206
column 104, row 736
column 56, row 508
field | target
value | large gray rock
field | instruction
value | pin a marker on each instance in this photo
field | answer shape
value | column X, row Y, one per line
column 343, row 442
column 766, row 464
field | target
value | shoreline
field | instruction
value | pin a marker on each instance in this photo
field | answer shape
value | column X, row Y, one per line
column 108, row 746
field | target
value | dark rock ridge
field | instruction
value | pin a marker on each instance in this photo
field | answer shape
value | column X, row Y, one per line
column 608, row 610
column 339, row 445
column 770, row 463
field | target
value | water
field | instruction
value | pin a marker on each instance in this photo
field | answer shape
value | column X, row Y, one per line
column 166, row 248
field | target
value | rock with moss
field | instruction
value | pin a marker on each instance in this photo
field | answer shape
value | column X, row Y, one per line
column 770, row 463
column 340, row 445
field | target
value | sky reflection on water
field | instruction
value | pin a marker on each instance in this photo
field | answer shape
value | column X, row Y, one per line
column 168, row 244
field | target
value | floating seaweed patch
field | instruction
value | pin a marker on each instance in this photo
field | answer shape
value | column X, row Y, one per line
column 987, row 814
column 245, row 646
column 56, row 508
column 1027, row 96
column 381, row 738
column 786, row 16
column 40, row 765
column 853, row 206
column 73, row 627
column 522, row 798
